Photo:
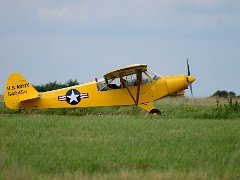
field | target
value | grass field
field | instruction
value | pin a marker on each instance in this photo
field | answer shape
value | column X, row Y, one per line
column 194, row 139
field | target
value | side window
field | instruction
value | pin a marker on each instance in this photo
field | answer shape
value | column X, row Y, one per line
column 112, row 84
column 131, row 80
column 102, row 86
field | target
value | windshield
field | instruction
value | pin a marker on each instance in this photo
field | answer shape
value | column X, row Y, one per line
column 153, row 75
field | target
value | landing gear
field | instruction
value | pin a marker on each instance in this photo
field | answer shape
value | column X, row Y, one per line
column 155, row 111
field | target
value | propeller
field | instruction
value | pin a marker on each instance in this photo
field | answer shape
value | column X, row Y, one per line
column 189, row 75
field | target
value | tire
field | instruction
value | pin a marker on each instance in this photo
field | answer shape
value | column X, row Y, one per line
column 155, row 111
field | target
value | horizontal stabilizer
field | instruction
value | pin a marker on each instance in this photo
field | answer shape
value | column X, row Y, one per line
column 29, row 97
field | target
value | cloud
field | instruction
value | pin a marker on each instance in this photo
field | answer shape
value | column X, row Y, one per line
column 136, row 15
column 131, row 10
column 179, row 15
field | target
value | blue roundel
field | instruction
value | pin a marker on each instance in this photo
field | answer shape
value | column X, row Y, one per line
column 73, row 97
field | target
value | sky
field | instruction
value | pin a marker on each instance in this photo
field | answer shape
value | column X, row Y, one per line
column 57, row 40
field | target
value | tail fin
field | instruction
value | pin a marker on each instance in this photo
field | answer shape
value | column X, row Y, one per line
column 18, row 89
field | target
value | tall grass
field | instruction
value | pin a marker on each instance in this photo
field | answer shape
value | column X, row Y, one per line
column 203, row 108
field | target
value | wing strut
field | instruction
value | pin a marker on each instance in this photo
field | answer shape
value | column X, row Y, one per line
column 139, row 80
column 122, row 80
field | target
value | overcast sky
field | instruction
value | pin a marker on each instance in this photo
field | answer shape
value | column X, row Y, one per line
column 52, row 40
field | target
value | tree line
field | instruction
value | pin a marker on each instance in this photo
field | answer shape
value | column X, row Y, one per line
column 55, row 85
column 224, row 93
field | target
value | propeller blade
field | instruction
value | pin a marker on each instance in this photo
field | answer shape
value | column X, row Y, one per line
column 189, row 73
column 190, row 84
column 188, row 69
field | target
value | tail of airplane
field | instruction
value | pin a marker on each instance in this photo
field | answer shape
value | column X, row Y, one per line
column 18, row 89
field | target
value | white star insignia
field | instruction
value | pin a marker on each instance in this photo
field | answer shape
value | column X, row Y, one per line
column 73, row 97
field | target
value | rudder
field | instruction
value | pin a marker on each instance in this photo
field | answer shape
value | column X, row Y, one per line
column 18, row 89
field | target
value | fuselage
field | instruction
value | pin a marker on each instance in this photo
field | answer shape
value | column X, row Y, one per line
column 89, row 95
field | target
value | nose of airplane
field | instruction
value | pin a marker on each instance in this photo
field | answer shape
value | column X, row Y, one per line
column 191, row 79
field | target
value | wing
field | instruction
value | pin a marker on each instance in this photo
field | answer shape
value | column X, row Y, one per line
column 125, row 71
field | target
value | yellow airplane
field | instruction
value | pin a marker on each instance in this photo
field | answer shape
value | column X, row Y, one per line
column 131, row 85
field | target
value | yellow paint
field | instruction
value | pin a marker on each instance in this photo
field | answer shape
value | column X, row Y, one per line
column 19, row 93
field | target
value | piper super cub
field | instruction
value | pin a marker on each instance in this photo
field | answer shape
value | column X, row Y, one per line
column 131, row 85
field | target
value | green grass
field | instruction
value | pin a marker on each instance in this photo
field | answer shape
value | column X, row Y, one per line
column 121, row 143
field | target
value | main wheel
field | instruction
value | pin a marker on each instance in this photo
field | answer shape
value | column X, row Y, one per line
column 155, row 111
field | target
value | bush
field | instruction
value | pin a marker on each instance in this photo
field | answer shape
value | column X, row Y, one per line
column 224, row 93
column 226, row 111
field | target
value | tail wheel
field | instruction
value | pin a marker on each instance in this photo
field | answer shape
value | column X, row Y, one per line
column 155, row 111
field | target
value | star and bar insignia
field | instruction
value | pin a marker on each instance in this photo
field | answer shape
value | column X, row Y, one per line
column 73, row 97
